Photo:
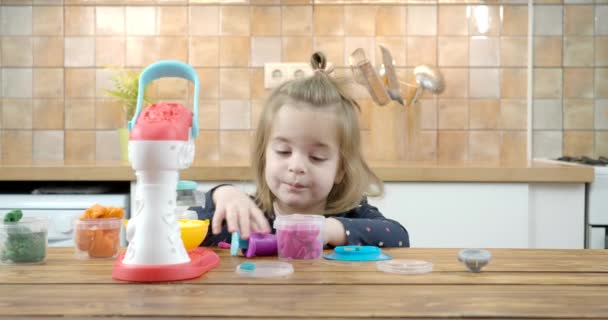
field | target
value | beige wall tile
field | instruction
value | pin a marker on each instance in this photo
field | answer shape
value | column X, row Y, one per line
column 578, row 83
column 20, row 84
column 601, row 19
column 234, row 51
column 601, row 143
column 79, row 82
column 172, row 20
column 548, row 20
column 257, row 84
column 485, row 20
column 103, row 82
column 513, row 83
column 209, row 83
column 140, row 21
column 110, row 51
column 578, row 20
column 109, row 20
column 266, row 20
column 578, row 143
column 79, row 113
column 452, row 146
column 484, row 51
column 235, row 114
column 329, row 20
column 48, row 145
column 601, row 83
column 426, row 146
column 17, row 52
column 297, row 49
column 173, row 89
column 173, row 48
column 456, row 83
column 513, row 148
column 360, row 20
column 484, row 146
column 47, row 21
column 601, row 115
column 79, row 20
column 484, row 113
column 390, row 20
column 548, row 51
column 578, row 51
column 547, row 114
column 514, row 51
column 109, row 114
column 142, row 51
column 79, row 145
column 235, row 145
column 208, row 115
column 79, row 51
column 484, row 83
column 16, row 20
column 547, row 83
column 422, row 20
column 453, row 114
column 578, row 114
column 107, row 145
column 421, row 50
column 207, row 147
column 204, row 51
column 17, row 114
column 48, row 114
column 453, row 51
column 256, row 110
column 453, row 20
column 48, row 52
column 332, row 47
column 547, row 144
column 234, row 20
column 296, row 20
column 601, row 51
column 234, row 83
column 515, row 21
column 513, row 115
column 265, row 49
column 204, row 20
column 428, row 114
column 48, row 82
column 16, row 146
column 396, row 45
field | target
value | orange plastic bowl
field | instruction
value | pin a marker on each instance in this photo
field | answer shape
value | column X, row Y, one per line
column 193, row 232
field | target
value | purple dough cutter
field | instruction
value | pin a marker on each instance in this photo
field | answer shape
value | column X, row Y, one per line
column 259, row 244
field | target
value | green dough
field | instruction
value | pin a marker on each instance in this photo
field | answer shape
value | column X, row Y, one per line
column 22, row 245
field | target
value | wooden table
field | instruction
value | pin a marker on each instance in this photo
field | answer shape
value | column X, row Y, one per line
column 517, row 284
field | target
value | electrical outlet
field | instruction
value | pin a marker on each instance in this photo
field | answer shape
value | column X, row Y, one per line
column 277, row 73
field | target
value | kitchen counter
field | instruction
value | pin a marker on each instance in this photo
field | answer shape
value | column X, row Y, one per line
column 534, row 171
column 518, row 283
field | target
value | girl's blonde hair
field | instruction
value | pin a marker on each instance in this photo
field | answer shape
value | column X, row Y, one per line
column 319, row 92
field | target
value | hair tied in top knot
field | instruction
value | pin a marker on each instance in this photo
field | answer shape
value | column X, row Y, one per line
column 319, row 63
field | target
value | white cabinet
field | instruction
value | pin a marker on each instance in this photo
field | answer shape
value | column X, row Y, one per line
column 486, row 215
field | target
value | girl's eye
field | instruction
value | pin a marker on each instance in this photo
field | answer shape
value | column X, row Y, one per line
column 283, row 152
column 317, row 159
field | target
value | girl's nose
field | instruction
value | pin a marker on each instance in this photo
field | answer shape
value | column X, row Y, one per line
column 297, row 165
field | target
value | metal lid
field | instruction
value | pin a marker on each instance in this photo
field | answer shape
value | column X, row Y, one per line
column 474, row 259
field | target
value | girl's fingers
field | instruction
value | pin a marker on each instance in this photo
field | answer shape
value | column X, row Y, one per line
column 232, row 220
column 260, row 220
column 218, row 217
column 244, row 223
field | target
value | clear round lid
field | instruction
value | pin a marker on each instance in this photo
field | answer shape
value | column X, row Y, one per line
column 264, row 269
column 405, row 266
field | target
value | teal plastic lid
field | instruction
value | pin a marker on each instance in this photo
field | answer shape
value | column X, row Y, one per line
column 186, row 185
column 357, row 253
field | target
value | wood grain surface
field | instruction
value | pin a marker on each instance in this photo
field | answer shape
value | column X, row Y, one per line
column 518, row 283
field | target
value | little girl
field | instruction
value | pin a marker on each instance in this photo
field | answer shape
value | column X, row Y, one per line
column 307, row 159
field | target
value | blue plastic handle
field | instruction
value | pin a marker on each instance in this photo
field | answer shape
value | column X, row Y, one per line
column 167, row 69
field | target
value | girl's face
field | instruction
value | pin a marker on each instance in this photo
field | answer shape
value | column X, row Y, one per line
column 302, row 159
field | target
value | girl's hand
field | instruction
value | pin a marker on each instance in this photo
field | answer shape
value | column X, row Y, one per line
column 334, row 233
column 239, row 211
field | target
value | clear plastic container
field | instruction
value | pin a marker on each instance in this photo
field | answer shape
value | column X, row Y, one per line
column 24, row 242
column 97, row 238
column 300, row 236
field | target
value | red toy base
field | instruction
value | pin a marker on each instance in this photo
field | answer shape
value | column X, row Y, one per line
column 201, row 261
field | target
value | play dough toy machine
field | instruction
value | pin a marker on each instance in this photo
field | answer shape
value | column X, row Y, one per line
column 161, row 143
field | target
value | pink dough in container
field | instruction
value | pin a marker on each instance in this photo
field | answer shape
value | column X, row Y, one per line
column 299, row 236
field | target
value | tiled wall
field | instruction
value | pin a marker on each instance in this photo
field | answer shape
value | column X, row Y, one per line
column 571, row 80
column 54, row 55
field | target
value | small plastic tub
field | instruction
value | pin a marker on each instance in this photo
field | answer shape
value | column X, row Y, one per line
column 97, row 238
column 24, row 241
column 299, row 236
